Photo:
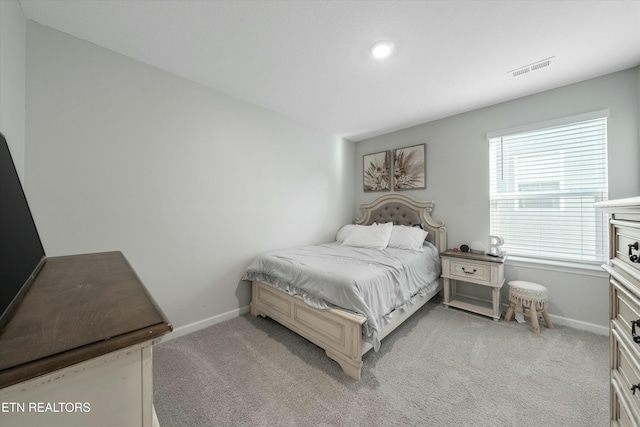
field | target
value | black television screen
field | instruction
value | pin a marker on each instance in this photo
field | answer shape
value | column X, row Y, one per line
column 21, row 251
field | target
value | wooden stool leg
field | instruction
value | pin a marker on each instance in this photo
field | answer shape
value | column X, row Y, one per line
column 512, row 307
column 534, row 318
column 547, row 320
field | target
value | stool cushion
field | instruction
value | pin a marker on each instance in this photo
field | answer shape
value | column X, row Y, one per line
column 525, row 293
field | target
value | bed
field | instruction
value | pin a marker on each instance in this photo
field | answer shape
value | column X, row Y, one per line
column 315, row 310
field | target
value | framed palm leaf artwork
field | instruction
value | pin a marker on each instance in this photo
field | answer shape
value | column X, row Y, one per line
column 409, row 168
column 376, row 171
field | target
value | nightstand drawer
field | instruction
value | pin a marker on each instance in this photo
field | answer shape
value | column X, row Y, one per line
column 466, row 270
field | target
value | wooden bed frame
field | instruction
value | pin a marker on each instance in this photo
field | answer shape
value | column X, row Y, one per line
column 339, row 332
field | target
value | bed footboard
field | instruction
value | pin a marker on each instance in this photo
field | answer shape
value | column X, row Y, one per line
column 338, row 332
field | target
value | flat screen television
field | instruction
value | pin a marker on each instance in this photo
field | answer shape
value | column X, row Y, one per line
column 21, row 251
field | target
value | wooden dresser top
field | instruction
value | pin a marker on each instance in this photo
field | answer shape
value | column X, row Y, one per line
column 78, row 307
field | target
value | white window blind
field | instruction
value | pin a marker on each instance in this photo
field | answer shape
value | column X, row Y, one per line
column 544, row 183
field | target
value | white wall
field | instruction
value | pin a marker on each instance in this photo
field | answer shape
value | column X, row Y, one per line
column 458, row 174
column 123, row 156
column 12, row 79
column 189, row 183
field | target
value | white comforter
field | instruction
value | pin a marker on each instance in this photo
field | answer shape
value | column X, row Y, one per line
column 372, row 282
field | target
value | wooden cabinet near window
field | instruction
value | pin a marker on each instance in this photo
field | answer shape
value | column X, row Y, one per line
column 624, row 309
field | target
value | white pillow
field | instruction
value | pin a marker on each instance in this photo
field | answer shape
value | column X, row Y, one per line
column 374, row 236
column 404, row 237
column 344, row 232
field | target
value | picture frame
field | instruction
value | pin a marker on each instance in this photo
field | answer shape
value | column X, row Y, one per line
column 410, row 167
column 376, row 171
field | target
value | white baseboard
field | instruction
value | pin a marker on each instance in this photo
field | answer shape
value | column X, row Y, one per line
column 571, row 323
column 578, row 324
column 204, row 323
column 201, row 324
column 564, row 321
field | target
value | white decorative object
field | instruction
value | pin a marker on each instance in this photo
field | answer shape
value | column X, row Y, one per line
column 476, row 247
column 495, row 246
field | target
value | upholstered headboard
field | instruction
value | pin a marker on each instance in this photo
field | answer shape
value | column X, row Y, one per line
column 405, row 210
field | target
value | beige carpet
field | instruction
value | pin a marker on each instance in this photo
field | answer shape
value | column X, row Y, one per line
column 443, row 367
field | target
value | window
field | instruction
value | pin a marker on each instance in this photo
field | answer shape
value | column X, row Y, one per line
column 545, row 180
column 550, row 181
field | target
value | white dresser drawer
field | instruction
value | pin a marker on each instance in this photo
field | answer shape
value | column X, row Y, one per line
column 627, row 236
column 624, row 362
column 625, row 307
column 622, row 412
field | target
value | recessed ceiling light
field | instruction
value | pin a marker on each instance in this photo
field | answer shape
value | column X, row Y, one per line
column 382, row 49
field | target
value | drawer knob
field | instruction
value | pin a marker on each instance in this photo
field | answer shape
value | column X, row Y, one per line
column 634, row 388
column 636, row 337
column 633, row 258
column 472, row 272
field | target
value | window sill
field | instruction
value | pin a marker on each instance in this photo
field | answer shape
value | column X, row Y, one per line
column 560, row 266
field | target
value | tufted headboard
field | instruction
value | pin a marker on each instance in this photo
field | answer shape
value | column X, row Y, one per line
column 405, row 210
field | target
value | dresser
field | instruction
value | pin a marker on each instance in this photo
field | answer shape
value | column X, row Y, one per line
column 624, row 309
column 78, row 350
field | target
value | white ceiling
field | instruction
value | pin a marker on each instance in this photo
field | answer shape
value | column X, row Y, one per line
column 309, row 60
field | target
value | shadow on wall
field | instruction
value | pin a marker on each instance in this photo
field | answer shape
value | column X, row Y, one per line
column 243, row 293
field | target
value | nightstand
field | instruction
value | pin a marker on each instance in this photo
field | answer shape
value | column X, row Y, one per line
column 478, row 269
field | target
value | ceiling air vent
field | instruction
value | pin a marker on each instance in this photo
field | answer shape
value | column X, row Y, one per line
column 531, row 67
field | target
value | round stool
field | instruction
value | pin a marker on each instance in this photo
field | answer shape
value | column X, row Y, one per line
column 532, row 297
